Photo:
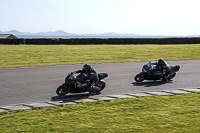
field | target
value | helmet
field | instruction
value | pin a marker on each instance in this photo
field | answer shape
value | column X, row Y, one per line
column 161, row 62
column 86, row 67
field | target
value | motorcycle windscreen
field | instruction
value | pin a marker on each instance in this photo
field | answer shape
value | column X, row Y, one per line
column 102, row 75
column 175, row 68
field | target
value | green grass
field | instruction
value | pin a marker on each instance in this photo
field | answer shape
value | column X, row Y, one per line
column 180, row 113
column 46, row 55
column 161, row 114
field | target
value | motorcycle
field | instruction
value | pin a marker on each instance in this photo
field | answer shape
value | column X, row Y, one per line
column 151, row 72
column 73, row 84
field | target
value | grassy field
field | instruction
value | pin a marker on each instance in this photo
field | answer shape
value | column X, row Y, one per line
column 180, row 113
column 155, row 114
column 45, row 55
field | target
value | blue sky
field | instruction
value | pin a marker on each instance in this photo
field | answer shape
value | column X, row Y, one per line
column 144, row 17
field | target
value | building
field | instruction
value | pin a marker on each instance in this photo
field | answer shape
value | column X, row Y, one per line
column 7, row 36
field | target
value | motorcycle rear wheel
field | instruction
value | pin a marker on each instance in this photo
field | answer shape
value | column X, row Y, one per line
column 62, row 90
column 139, row 77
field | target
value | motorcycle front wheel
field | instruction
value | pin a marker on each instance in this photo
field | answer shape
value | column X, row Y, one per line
column 172, row 76
column 101, row 85
column 139, row 77
column 62, row 90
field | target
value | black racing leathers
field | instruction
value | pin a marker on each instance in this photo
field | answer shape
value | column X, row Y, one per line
column 166, row 69
column 88, row 78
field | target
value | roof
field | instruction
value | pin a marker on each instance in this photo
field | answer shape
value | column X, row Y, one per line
column 7, row 36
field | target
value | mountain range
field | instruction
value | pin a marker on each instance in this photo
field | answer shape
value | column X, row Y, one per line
column 63, row 33
column 15, row 32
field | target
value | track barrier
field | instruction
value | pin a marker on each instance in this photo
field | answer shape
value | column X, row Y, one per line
column 86, row 41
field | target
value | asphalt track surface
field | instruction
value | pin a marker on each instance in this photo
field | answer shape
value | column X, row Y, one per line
column 32, row 84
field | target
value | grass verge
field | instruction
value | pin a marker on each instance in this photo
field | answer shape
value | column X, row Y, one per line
column 47, row 55
column 178, row 113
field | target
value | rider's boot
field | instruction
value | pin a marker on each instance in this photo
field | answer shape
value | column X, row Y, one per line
column 166, row 77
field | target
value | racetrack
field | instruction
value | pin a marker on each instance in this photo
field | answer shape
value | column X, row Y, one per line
column 30, row 84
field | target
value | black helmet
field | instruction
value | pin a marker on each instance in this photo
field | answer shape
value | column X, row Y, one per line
column 86, row 67
column 161, row 62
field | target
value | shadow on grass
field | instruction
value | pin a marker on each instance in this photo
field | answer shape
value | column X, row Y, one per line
column 151, row 83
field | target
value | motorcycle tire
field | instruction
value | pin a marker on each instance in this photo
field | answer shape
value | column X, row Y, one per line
column 139, row 77
column 101, row 85
column 61, row 90
column 172, row 76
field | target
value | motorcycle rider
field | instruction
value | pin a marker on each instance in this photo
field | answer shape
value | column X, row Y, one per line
column 89, row 77
column 164, row 67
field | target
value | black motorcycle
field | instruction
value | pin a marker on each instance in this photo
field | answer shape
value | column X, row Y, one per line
column 150, row 71
column 73, row 84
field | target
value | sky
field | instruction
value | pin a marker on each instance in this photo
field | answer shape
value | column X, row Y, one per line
column 142, row 17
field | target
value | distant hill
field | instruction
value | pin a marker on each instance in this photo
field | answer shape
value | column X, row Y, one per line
column 63, row 33
column 11, row 32
column 15, row 32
